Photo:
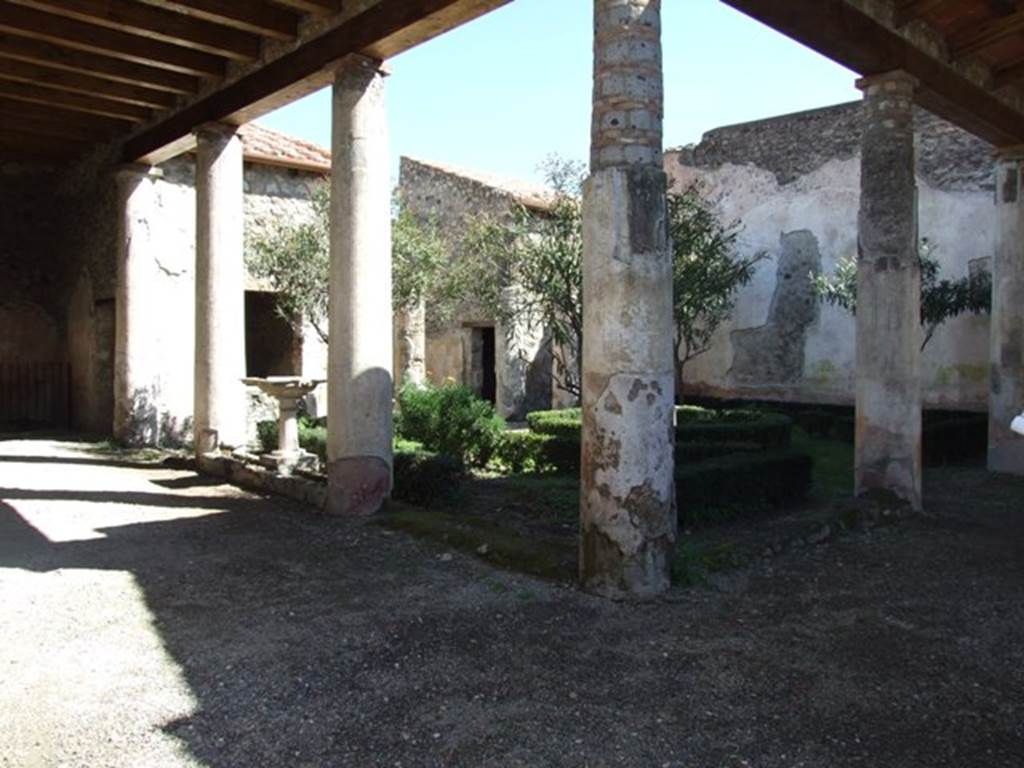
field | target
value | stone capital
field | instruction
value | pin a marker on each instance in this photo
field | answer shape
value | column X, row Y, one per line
column 136, row 172
column 894, row 81
column 215, row 132
column 358, row 63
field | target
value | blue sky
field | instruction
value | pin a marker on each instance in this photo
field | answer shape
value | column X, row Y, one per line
column 505, row 91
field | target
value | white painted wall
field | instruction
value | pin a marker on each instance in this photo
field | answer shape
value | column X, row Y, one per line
column 825, row 201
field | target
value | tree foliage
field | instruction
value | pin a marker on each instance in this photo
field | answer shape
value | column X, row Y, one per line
column 293, row 258
column 529, row 269
column 941, row 300
column 538, row 262
column 705, row 273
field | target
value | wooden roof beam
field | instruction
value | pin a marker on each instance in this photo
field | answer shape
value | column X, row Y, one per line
column 87, row 122
column 67, row 80
column 155, row 24
column 910, row 10
column 50, row 127
column 59, row 30
column 131, row 113
column 851, row 37
column 318, row 7
column 256, row 93
column 117, row 70
column 979, row 37
column 258, row 16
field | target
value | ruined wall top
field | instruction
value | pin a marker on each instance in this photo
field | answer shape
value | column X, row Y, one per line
column 791, row 146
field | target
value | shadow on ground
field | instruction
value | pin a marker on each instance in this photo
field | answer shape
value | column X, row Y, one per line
column 314, row 642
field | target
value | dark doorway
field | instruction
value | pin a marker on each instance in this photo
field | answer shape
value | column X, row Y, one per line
column 489, row 389
column 272, row 347
column 481, row 375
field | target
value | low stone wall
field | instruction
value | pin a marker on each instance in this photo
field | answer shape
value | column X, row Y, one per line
column 246, row 472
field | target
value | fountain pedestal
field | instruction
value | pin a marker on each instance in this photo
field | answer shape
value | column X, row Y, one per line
column 288, row 391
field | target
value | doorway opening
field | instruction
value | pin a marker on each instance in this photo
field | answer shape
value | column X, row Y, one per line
column 483, row 376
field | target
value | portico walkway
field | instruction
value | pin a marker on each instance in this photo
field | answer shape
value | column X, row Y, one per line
column 150, row 617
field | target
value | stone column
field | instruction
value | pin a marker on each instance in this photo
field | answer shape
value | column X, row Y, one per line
column 1006, row 396
column 220, row 400
column 411, row 344
column 627, row 506
column 888, row 399
column 360, row 357
column 136, row 408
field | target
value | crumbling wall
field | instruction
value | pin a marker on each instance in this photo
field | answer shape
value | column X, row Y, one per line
column 453, row 199
column 794, row 184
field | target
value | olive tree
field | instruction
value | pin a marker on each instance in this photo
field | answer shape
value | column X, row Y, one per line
column 941, row 300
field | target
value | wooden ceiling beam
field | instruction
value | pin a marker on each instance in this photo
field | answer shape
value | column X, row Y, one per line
column 73, row 60
column 911, row 10
column 28, row 22
column 257, row 16
column 74, row 101
column 979, row 37
column 851, row 37
column 19, row 132
column 51, row 127
column 318, row 7
column 155, row 24
column 87, row 122
column 39, row 146
column 62, row 79
column 379, row 21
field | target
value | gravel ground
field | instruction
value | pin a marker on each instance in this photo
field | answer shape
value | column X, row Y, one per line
column 152, row 618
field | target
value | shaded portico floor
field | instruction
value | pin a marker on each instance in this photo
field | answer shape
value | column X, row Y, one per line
column 152, row 617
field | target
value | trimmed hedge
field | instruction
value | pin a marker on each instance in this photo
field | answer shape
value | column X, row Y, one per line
column 690, row 453
column 741, row 484
column 564, row 423
column 953, row 438
column 531, row 452
column 769, row 431
column 423, row 477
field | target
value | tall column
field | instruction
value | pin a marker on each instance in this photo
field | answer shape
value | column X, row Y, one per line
column 1006, row 396
column 888, row 431
column 136, row 395
column 359, row 358
column 627, row 505
column 219, row 406
column 411, row 344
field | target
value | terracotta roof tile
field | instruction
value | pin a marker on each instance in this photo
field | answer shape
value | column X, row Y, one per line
column 262, row 145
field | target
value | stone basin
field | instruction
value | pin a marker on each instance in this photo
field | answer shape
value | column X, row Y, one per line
column 288, row 391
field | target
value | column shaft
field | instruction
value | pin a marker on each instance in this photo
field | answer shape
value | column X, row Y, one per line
column 627, row 505
column 219, row 406
column 360, row 348
column 1006, row 396
column 411, row 344
column 888, row 389
column 136, row 413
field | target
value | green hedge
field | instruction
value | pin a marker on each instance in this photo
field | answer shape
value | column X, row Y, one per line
column 312, row 437
column 423, row 477
column 769, row 431
column 449, row 419
column 520, row 452
column 741, row 484
column 691, row 452
column 562, row 423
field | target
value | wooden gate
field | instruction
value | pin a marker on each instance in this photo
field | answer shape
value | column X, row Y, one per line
column 34, row 394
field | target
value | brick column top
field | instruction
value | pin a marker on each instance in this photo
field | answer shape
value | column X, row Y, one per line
column 626, row 126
